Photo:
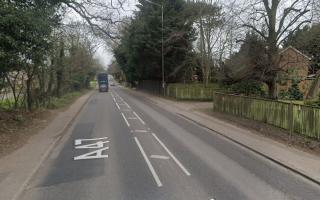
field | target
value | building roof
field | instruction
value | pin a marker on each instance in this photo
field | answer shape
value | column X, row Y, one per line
column 296, row 50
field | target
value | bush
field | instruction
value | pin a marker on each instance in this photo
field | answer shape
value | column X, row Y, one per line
column 63, row 101
column 248, row 88
column 284, row 94
column 294, row 92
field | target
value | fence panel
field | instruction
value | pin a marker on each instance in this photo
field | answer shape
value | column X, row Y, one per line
column 189, row 92
column 304, row 120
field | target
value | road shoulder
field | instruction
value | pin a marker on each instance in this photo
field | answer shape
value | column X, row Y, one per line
column 300, row 162
column 19, row 166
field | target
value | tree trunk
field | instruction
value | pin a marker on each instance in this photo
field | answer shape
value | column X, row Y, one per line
column 60, row 69
column 272, row 85
column 314, row 88
column 29, row 93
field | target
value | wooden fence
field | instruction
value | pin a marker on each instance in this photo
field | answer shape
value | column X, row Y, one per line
column 189, row 93
column 304, row 120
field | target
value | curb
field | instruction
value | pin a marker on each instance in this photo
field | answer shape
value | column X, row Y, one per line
column 48, row 151
column 288, row 167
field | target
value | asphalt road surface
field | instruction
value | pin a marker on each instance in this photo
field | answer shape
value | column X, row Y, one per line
column 124, row 147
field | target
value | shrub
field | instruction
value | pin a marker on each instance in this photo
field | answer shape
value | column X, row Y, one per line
column 283, row 94
column 248, row 88
column 294, row 92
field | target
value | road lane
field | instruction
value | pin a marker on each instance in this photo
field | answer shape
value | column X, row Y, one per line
column 154, row 154
column 220, row 163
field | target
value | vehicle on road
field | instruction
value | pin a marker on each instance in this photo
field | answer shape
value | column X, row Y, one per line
column 103, row 82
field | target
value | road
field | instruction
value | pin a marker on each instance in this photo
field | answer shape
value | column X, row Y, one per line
column 124, row 147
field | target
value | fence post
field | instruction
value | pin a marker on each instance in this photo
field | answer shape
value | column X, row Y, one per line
column 290, row 118
column 213, row 99
column 176, row 95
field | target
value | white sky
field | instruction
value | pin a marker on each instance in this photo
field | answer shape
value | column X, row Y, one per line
column 103, row 53
column 104, row 56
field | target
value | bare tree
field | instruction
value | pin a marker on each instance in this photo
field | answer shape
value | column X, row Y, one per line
column 102, row 16
column 209, row 21
column 316, row 11
column 272, row 20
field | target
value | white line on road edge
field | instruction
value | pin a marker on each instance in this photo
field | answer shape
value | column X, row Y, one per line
column 125, row 119
column 153, row 172
column 35, row 169
column 117, row 105
column 21, row 189
column 172, row 156
column 139, row 117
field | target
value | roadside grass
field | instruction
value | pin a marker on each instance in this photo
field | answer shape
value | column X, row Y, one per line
column 64, row 100
column 17, row 125
column 6, row 104
column 54, row 102
column 93, row 84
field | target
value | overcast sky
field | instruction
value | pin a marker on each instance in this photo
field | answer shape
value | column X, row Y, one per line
column 103, row 54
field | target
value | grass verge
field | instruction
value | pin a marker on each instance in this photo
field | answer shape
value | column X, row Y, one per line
column 17, row 126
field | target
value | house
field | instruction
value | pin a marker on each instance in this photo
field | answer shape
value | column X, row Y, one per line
column 295, row 67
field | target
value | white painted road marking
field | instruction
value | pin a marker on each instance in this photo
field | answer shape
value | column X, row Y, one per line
column 153, row 172
column 172, row 156
column 96, row 145
column 139, row 131
column 132, row 118
column 125, row 119
column 126, row 104
column 79, row 141
column 159, row 157
column 92, row 155
column 139, row 117
column 117, row 105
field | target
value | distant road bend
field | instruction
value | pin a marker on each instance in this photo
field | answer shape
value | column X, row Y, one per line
column 124, row 147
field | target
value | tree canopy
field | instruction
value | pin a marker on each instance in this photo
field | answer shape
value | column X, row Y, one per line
column 139, row 49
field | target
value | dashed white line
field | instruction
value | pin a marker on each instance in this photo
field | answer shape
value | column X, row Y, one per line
column 126, row 104
column 125, row 119
column 139, row 131
column 117, row 105
column 172, row 156
column 159, row 157
column 139, row 117
column 132, row 118
column 153, row 172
